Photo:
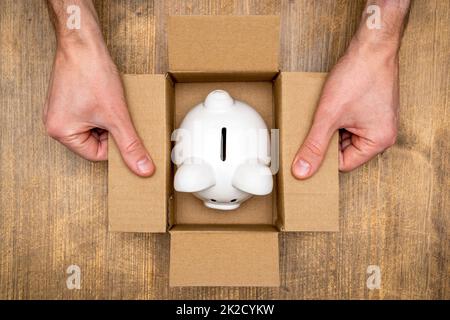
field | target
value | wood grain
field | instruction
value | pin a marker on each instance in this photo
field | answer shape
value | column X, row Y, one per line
column 395, row 210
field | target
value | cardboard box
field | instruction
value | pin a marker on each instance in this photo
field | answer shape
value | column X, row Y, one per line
column 211, row 248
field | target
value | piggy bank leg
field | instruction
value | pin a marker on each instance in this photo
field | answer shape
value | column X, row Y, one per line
column 254, row 178
column 194, row 176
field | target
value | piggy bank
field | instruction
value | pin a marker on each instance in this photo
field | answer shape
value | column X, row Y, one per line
column 222, row 152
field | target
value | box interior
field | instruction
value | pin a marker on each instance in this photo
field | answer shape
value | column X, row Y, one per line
column 258, row 210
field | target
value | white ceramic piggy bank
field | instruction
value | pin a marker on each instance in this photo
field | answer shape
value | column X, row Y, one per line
column 222, row 152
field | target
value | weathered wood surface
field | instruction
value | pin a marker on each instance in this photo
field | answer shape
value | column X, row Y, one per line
column 395, row 211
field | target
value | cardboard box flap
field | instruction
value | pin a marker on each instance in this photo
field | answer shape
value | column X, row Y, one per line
column 140, row 204
column 312, row 204
column 224, row 256
column 223, row 43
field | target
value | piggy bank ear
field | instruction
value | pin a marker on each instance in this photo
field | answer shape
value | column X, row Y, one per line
column 254, row 178
column 194, row 176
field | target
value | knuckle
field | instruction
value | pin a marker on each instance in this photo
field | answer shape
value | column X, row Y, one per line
column 132, row 146
column 54, row 130
column 313, row 147
column 388, row 138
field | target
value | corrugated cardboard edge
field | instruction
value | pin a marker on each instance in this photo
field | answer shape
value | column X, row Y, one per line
column 221, row 256
column 230, row 76
column 140, row 204
column 312, row 204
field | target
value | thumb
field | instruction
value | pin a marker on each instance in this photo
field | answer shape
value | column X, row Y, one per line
column 310, row 155
column 131, row 148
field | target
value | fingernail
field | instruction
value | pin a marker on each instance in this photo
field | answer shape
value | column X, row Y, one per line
column 303, row 168
column 144, row 165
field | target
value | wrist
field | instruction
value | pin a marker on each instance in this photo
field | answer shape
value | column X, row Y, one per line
column 372, row 56
column 380, row 31
column 85, row 33
column 83, row 45
column 81, row 50
column 374, row 48
column 89, row 35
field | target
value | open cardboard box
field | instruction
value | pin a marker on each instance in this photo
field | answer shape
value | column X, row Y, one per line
column 209, row 247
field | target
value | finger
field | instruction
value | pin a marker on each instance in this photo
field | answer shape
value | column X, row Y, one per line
column 312, row 152
column 345, row 134
column 88, row 145
column 131, row 148
column 356, row 153
column 344, row 139
column 345, row 143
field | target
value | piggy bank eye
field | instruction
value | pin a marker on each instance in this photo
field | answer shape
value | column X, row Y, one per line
column 234, row 200
column 223, row 144
column 213, row 200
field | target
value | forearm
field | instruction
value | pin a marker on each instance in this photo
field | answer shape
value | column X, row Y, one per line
column 88, row 33
column 385, row 37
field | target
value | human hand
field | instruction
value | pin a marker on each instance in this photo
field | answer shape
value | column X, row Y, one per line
column 86, row 101
column 360, row 99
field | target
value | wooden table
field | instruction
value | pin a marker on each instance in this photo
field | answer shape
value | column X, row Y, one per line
column 395, row 211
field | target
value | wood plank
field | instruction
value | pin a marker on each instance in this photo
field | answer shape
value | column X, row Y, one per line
column 395, row 210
